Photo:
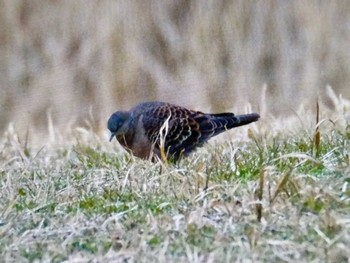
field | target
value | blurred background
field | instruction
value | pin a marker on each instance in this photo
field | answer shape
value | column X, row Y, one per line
column 73, row 63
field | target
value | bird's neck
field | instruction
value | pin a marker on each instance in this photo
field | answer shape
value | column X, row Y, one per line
column 126, row 132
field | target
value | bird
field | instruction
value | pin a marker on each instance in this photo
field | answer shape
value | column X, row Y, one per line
column 167, row 131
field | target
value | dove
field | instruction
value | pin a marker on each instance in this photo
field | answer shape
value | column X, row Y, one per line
column 169, row 131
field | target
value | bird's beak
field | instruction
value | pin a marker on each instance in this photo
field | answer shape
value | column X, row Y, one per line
column 111, row 138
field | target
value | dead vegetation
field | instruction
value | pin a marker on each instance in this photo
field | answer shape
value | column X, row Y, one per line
column 276, row 191
column 277, row 195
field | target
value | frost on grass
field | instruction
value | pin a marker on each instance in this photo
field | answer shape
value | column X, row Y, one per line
column 268, row 196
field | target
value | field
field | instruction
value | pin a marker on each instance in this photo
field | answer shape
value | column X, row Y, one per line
column 262, row 196
column 274, row 191
column 72, row 62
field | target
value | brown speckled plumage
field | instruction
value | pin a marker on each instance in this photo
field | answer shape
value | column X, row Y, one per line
column 138, row 130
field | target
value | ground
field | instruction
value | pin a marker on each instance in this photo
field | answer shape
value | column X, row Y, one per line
column 270, row 198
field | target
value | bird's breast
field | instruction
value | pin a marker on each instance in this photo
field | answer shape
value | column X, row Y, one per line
column 136, row 141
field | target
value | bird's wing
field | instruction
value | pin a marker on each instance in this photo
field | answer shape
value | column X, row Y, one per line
column 186, row 129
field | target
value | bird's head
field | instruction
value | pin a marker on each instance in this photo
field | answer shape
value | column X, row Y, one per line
column 117, row 123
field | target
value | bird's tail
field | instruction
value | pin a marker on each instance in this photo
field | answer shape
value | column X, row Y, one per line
column 226, row 121
column 245, row 119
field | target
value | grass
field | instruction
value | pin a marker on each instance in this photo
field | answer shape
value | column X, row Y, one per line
column 72, row 61
column 266, row 199
column 280, row 196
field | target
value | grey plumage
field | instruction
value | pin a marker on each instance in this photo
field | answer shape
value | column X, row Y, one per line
column 138, row 130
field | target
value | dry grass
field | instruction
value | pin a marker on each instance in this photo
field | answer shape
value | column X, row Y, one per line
column 275, row 191
column 268, row 197
column 78, row 60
